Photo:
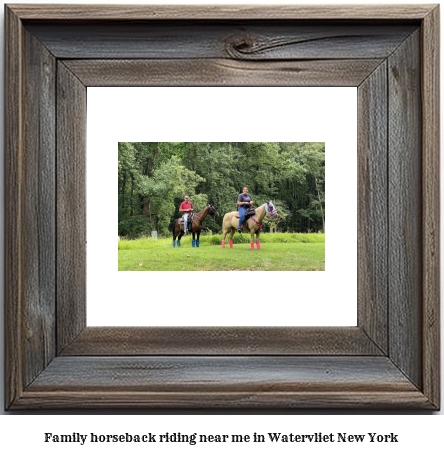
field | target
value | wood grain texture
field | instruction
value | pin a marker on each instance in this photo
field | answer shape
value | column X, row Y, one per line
column 13, row 207
column 71, row 206
column 39, row 207
column 246, row 401
column 234, row 382
column 220, row 12
column 258, row 40
column 372, row 207
column 405, row 209
column 127, row 341
column 209, row 72
column 430, row 93
column 210, row 373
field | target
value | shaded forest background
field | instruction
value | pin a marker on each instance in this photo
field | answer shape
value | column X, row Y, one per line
column 154, row 177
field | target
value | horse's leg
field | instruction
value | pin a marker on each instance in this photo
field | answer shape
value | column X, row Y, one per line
column 198, row 236
column 233, row 230
column 224, row 232
column 174, row 234
column 258, row 244
column 193, row 241
column 252, row 239
column 178, row 239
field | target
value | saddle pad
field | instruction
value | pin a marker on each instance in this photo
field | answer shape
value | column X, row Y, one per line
column 237, row 215
column 180, row 220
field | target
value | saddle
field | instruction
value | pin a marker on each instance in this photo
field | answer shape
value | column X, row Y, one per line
column 250, row 212
column 190, row 221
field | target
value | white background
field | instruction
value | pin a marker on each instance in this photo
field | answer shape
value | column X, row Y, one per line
column 298, row 114
column 421, row 434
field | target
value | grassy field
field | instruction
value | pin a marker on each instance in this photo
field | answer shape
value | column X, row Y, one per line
column 279, row 252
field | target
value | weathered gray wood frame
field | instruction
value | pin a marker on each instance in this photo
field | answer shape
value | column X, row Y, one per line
column 390, row 360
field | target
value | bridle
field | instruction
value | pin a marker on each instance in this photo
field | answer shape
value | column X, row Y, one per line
column 270, row 210
column 213, row 212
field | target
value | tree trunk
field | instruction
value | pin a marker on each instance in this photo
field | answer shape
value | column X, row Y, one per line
column 300, row 215
column 132, row 191
column 123, row 196
column 145, row 207
column 320, row 204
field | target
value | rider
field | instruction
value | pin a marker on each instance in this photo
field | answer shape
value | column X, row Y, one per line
column 186, row 207
column 244, row 202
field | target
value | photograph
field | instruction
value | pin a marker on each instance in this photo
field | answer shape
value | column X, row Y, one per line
column 217, row 206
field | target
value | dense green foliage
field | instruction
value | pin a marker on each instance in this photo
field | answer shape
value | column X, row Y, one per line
column 154, row 177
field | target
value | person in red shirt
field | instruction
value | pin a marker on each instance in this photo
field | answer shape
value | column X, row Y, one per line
column 186, row 208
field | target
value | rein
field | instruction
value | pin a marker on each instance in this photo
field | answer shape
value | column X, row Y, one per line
column 200, row 216
column 197, row 217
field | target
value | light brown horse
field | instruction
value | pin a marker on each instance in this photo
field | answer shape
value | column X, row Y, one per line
column 253, row 224
column 196, row 225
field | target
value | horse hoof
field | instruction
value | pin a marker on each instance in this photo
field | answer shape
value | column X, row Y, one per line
column 252, row 245
column 231, row 244
column 258, row 245
column 223, row 244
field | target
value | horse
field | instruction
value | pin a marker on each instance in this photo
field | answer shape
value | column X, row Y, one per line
column 196, row 225
column 253, row 224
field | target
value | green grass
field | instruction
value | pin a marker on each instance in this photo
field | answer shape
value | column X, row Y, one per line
column 216, row 239
column 279, row 252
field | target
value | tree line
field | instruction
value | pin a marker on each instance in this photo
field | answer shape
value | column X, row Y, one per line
column 153, row 178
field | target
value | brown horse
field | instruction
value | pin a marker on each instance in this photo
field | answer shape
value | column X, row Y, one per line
column 253, row 224
column 196, row 225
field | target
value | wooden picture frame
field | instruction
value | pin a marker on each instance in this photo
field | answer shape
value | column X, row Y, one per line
column 390, row 360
